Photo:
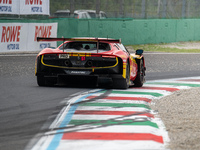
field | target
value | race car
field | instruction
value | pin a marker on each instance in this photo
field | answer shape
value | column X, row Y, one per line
column 96, row 61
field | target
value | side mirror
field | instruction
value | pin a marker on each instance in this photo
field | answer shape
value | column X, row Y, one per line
column 139, row 52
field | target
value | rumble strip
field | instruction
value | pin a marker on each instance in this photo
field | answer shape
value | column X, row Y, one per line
column 113, row 119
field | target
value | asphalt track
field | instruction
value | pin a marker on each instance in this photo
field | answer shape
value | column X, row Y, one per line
column 26, row 109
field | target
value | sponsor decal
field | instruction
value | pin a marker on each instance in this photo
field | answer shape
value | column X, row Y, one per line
column 13, row 47
column 11, row 35
column 73, row 72
column 33, row 2
column 5, row 1
column 34, row 9
column 82, row 58
column 78, row 72
column 22, row 7
column 42, row 31
column 5, row 8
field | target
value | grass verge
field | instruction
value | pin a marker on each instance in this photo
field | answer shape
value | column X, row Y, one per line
column 184, row 47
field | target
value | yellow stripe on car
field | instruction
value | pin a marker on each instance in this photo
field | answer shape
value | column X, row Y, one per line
column 80, row 54
column 124, row 71
column 77, row 67
column 36, row 67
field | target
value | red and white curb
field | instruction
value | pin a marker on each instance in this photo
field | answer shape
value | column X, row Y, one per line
column 113, row 119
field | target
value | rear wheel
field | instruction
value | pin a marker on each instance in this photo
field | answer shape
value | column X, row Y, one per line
column 40, row 80
column 140, row 79
column 123, row 83
column 45, row 81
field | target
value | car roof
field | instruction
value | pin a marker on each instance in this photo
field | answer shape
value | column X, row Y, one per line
column 82, row 10
column 58, row 11
column 92, row 11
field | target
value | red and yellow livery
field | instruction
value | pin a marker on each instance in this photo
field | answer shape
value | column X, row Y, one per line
column 98, row 61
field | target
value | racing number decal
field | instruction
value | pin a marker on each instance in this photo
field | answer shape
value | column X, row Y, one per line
column 83, row 58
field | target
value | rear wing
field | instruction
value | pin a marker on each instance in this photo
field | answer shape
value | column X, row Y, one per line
column 80, row 39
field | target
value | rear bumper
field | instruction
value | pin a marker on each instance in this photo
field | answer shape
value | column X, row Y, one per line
column 80, row 75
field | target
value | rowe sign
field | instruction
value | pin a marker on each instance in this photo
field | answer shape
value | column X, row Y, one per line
column 22, row 36
column 24, row 7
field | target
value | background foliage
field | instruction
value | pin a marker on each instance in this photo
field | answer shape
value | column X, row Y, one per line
column 137, row 9
column 140, row 9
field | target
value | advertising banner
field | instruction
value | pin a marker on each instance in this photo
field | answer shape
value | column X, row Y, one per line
column 24, row 7
column 34, row 7
column 41, row 30
column 22, row 36
column 9, row 7
column 13, row 36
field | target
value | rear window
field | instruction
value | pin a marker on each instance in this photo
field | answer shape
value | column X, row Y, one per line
column 62, row 14
column 103, row 15
column 92, row 15
column 85, row 46
column 76, row 16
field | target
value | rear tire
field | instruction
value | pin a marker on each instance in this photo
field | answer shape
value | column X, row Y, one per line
column 123, row 83
column 41, row 80
column 45, row 81
column 140, row 79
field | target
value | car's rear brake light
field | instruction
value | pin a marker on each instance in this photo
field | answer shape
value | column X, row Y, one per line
column 94, row 55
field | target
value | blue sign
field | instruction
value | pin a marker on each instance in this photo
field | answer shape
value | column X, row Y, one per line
column 13, row 47
column 36, row 9
column 45, row 45
column 5, row 8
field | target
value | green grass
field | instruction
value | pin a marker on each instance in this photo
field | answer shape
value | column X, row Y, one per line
column 165, row 48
